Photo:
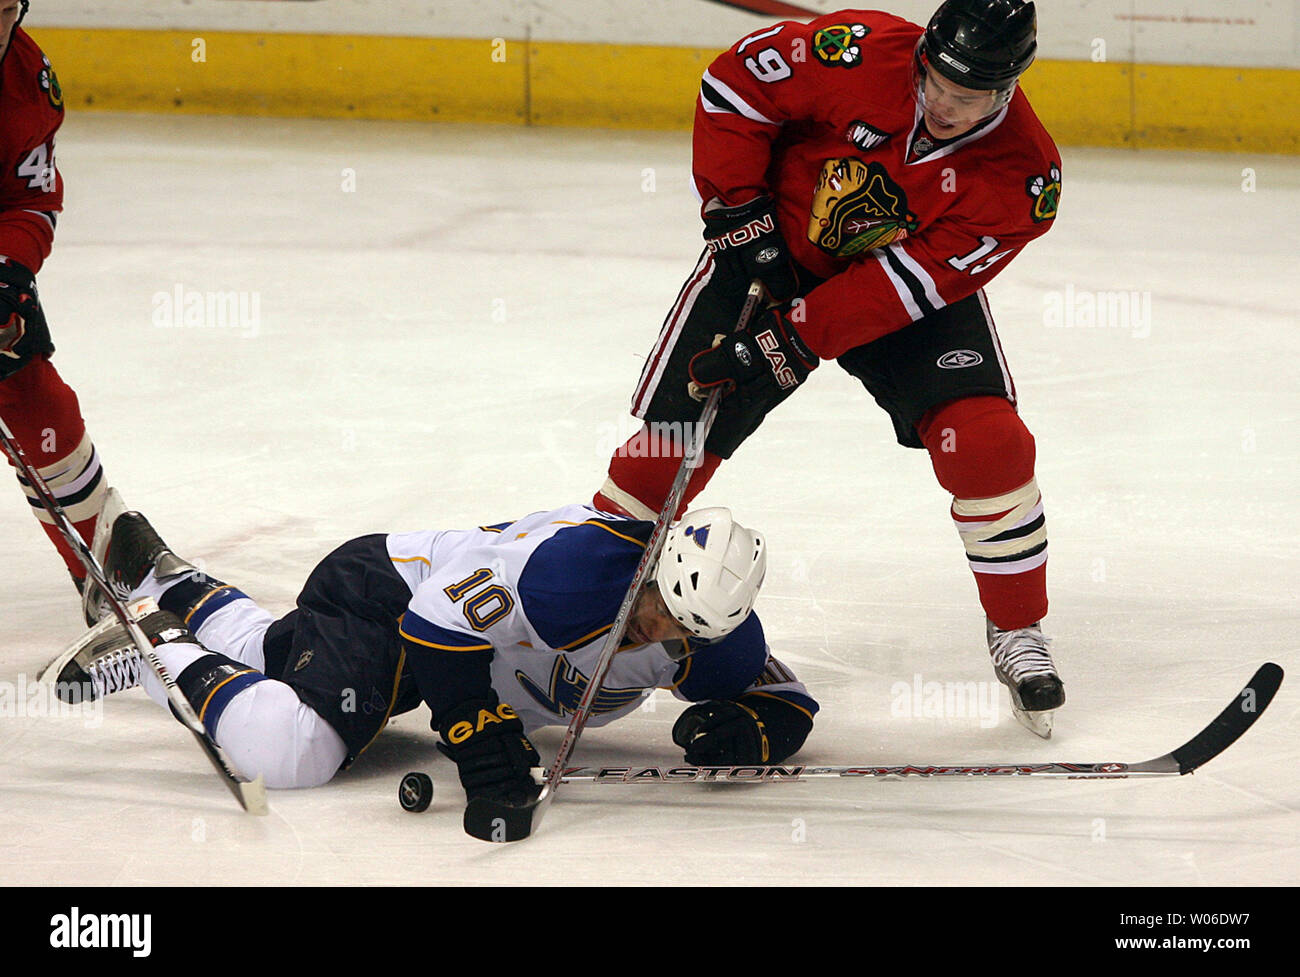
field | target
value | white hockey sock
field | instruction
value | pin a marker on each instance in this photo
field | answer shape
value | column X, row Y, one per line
column 235, row 629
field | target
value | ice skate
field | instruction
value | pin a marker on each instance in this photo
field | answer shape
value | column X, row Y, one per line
column 132, row 549
column 105, row 660
column 1023, row 664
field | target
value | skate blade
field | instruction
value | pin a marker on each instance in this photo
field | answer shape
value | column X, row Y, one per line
column 1038, row 723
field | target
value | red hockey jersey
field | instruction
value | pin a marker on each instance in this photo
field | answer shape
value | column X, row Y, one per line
column 823, row 117
column 31, row 189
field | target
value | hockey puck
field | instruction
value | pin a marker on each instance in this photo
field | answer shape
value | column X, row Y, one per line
column 415, row 793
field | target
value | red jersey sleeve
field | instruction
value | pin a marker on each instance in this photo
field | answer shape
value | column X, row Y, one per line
column 27, row 237
column 749, row 93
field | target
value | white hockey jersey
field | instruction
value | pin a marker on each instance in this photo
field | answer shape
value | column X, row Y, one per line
column 541, row 593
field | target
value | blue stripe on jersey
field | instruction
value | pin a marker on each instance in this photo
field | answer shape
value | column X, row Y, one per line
column 573, row 583
column 724, row 669
column 211, row 604
column 211, row 710
column 422, row 632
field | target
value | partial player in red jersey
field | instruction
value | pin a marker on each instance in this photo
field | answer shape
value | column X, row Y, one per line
column 40, row 409
column 874, row 176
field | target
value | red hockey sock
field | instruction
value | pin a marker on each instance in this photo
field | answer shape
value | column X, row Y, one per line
column 45, row 418
column 984, row 455
column 641, row 474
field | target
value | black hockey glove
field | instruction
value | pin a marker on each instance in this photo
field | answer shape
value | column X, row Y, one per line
column 23, row 333
column 751, row 729
column 746, row 243
column 493, row 757
column 767, row 357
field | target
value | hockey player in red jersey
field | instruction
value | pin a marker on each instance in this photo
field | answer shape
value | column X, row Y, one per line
column 40, row 409
column 874, row 176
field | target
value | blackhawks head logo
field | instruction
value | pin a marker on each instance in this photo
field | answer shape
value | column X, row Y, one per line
column 857, row 208
column 50, row 84
column 1045, row 192
column 834, row 45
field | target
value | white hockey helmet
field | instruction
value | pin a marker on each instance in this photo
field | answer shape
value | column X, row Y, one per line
column 710, row 571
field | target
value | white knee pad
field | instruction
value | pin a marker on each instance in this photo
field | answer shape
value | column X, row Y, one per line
column 266, row 729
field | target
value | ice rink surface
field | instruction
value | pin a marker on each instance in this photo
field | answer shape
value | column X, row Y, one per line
column 442, row 326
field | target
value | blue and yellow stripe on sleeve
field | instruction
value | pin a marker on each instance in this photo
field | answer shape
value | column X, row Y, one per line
column 425, row 633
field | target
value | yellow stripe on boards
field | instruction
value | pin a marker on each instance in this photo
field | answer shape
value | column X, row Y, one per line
column 615, row 86
column 1166, row 106
column 296, row 75
column 618, row 86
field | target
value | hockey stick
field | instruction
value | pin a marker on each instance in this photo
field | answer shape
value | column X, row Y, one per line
column 493, row 820
column 250, row 794
column 1239, row 715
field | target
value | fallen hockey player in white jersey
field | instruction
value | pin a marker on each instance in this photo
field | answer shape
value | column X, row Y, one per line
column 494, row 628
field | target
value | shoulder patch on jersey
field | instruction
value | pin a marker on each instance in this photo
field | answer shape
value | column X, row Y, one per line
column 1045, row 192
column 49, row 83
column 834, row 45
column 857, row 207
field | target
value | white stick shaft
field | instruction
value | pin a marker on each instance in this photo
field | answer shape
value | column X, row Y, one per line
column 690, row 459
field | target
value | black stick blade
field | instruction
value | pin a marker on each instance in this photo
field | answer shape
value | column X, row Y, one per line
column 489, row 819
column 1240, row 715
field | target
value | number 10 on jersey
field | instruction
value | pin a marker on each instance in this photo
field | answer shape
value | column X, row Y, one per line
column 487, row 605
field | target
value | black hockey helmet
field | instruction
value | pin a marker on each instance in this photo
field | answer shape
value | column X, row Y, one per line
column 980, row 44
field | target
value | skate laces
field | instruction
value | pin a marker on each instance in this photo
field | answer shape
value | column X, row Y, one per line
column 1021, row 653
column 115, row 672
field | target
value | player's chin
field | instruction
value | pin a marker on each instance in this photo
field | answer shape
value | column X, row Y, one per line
column 948, row 128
